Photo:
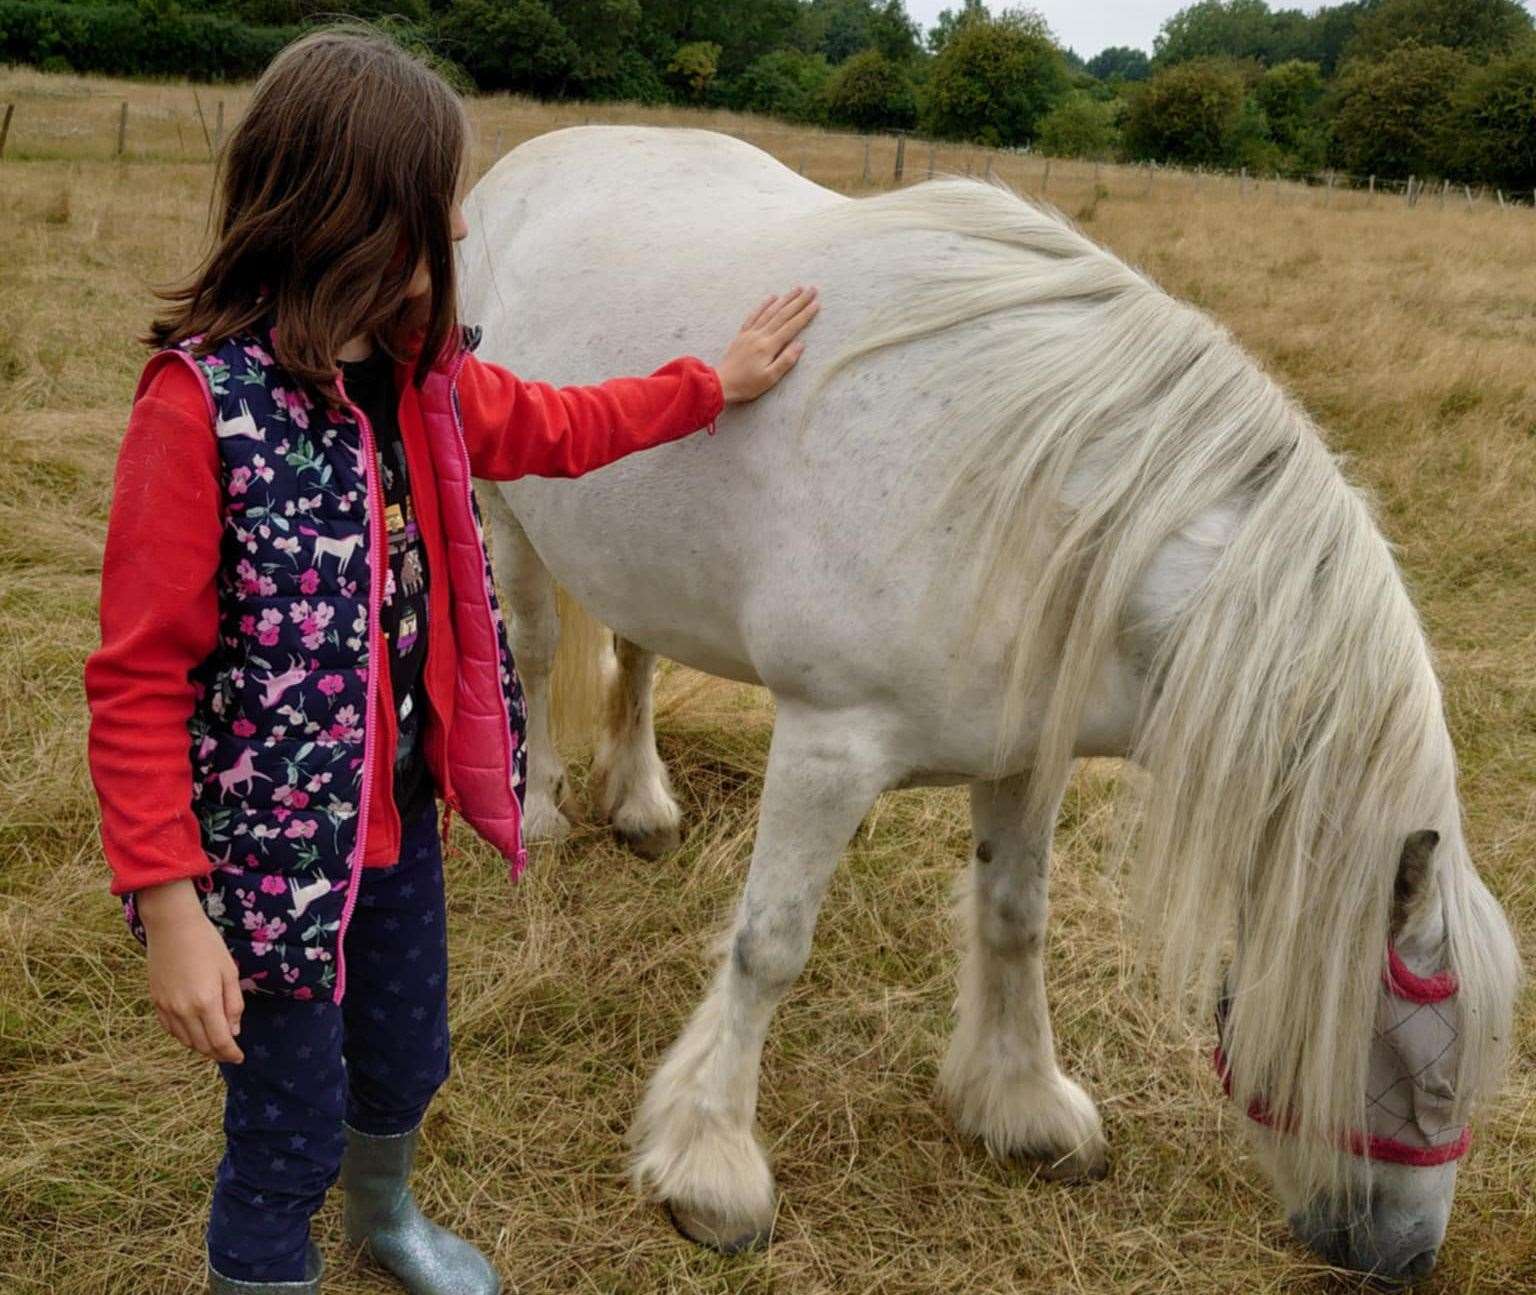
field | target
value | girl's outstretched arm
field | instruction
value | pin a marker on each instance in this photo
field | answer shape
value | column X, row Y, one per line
column 515, row 428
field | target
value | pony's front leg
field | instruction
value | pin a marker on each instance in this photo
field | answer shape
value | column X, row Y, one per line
column 1000, row 1077
column 695, row 1149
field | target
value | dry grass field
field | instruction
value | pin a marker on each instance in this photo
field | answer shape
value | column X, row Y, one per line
column 1409, row 333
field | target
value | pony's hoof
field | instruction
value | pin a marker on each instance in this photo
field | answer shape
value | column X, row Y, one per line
column 652, row 843
column 728, row 1236
column 543, row 822
column 1086, row 1164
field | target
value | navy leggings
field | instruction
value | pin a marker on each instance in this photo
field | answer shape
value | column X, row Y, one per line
column 375, row 1061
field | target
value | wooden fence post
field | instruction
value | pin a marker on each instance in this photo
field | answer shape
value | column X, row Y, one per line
column 930, row 161
column 901, row 159
column 1328, row 197
column 1045, row 178
column 802, row 162
column 203, row 122
column 122, row 128
column 865, row 179
column 1148, row 190
column 1372, row 197
column 1467, row 189
column 988, row 174
column 218, row 130
column 5, row 127
column 1445, row 188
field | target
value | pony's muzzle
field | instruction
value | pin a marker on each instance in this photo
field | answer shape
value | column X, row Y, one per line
column 1394, row 1252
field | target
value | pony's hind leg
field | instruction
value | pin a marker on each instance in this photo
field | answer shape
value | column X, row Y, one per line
column 535, row 635
column 1000, row 1078
column 636, row 794
column 694, row 1146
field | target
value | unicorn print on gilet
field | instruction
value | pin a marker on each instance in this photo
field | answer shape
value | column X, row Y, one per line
column 285, row 718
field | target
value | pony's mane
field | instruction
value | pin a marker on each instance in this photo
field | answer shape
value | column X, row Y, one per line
column 1292, row 725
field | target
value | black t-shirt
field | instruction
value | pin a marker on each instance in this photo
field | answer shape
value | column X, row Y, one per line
column 370, row 384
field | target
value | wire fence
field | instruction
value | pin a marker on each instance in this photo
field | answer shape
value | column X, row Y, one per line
column 182, row 124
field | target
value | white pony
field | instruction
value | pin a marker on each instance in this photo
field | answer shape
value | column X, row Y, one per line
column 1015, row 506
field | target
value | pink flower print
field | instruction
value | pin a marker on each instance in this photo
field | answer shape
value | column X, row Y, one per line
column 309, row 581
column 257, row 353
column 252, row 581
column 240, row 480
column 259, row 466
column 288, row 544
column 331, row 684
column 303, row 992
column 298, row 799
column 282, row 814
column 247, row 625
column 243, row 727
column 295, row 403
column 301, row 829
column 311, row 621
column 271, row 885
column 271, row 623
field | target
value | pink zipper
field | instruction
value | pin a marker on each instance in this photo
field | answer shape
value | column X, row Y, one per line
column 370, row 709
column 519, row 858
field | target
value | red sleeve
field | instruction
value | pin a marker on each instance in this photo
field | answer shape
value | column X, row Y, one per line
column 159, row 619
column 515, row 428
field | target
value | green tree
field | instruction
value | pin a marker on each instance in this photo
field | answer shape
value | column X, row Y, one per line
column 1290, row 96
column 1191, row 113
column 693, row 67
column 601, row 30
column 1490, row 131
column 950, row 21
column 785, row 82
column 1079, row 126
column 1120, row 62
column 1479, row 28
column 1388, row 115
column 509, row 45
column 870, row 92
column 1209, row 29
column 995, row 79
column 842, row 28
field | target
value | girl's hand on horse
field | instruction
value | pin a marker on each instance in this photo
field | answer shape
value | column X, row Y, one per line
column 192, row 979
column 766, row 348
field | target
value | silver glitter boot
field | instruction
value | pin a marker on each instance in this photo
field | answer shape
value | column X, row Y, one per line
column 218, row 1284
column 381, row 1215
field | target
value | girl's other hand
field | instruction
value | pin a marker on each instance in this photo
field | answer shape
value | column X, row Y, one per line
column 192, row 979
column 766, row 348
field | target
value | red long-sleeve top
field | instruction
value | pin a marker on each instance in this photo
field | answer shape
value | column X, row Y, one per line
column 159, row 601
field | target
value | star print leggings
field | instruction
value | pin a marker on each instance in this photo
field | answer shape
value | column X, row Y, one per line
column 374, row 1062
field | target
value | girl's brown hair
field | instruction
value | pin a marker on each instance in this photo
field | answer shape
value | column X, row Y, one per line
column 337, row 183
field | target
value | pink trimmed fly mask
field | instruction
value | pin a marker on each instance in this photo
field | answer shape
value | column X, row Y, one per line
column 1411, row 1087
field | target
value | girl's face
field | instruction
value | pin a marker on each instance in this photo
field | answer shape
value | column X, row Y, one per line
column 421, row 282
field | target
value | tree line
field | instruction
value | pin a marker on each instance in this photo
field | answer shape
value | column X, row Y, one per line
column 1385, row 87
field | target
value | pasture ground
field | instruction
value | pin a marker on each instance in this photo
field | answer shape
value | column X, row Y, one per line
column 1409, row 333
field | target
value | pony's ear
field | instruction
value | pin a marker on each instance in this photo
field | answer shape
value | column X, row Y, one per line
column 1415, row 877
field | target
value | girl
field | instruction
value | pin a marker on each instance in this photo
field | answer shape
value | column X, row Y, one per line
column 301, row 647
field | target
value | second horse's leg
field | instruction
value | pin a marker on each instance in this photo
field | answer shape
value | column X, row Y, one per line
column 1000, row 1077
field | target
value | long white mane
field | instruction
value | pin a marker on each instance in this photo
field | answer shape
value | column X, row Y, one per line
column 1293, row 725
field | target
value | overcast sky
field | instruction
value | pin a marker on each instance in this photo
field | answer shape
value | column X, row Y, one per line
column 1088, row 26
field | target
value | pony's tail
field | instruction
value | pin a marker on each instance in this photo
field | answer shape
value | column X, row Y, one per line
column 585, row 653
